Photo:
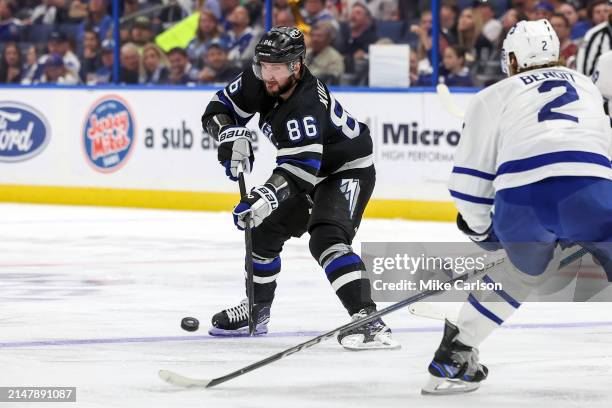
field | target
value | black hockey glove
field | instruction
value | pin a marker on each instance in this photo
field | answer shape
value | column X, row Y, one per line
column 486, row 240
column 235, row 147
column 259, row 203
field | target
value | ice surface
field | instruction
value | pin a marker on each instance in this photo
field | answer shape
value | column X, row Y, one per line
column 93, row 298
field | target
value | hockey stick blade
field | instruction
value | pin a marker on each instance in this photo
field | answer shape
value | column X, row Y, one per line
column 433, row 311
column 188, row 382
column 449, row 104
column 181, row 381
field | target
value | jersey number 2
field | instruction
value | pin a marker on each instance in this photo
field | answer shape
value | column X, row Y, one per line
column 570, row 95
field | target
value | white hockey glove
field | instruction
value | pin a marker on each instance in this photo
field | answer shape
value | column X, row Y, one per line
column 235, row 147
column 259, row 203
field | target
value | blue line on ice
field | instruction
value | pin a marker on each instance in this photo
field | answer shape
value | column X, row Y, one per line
column 125, row 340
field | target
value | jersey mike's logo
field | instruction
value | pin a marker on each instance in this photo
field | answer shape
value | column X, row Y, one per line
column 108, row 134
column 24, row 132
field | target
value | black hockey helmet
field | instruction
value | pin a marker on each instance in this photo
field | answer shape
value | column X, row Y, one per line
column 280, row 44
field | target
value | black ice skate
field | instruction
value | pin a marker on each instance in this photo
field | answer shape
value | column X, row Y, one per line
column 455, row 368
column 370, row 336
column 234, row 321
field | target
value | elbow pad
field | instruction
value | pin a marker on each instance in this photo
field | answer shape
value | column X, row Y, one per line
column 280, row 186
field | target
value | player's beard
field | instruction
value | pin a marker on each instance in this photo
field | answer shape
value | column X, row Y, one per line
column 283, row 88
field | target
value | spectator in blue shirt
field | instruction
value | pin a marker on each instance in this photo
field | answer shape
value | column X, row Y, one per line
column 544, row 10
column 456, row 73
column 218, row 68
column 97, row 20
column 207, row 32
column 355, row 40
column 315, row 12
column 579, row 28
column 90, row 55
column 55, row 72
column 226, row 7
column 58, row 45
column 30, row 65
column 10, row 28
column 243, row 37
column 104, row 74
column 181, row 71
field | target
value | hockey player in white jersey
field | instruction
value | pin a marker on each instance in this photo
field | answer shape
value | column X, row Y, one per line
column 532, row 170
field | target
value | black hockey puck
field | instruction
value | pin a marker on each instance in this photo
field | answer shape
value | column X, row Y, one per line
column 190, row 324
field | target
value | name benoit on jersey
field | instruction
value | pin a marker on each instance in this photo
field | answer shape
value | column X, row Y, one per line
column 543, row 76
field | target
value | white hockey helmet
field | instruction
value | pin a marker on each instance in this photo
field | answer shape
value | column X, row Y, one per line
column 533, row 43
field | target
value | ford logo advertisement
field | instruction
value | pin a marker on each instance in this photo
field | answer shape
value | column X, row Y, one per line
column 24, row 132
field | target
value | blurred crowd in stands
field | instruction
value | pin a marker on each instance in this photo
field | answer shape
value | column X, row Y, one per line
column 71, row 41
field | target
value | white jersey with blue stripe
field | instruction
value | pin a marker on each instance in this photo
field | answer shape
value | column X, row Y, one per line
column 534, row 125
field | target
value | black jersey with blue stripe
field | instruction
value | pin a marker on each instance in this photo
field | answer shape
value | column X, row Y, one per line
column 314, row 135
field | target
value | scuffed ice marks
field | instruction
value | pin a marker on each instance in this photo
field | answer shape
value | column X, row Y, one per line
column 22, row 287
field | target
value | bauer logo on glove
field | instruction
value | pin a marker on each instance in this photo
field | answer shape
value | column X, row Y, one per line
column 234, row 148
column 257, row 205
column 233, row 133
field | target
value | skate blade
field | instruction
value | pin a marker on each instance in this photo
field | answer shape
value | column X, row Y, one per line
column 355, row 343
column 446, row 386
column 260, row 329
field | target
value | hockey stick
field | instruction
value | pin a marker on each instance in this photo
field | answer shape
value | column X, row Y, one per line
column 448, row 102
column 181, row 381
column 429, row 311
column 248, row 243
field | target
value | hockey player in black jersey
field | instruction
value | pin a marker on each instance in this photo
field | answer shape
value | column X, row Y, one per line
column 322, row 182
